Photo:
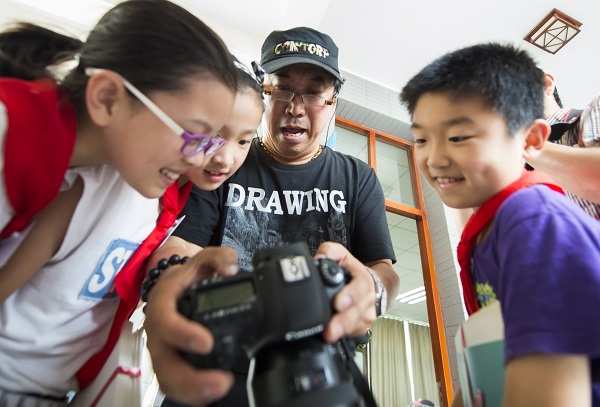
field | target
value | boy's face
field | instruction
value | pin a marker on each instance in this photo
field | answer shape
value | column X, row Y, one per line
column 464, row 150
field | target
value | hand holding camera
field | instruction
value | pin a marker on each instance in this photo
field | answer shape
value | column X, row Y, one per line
column 277, row 314
column 169, row 331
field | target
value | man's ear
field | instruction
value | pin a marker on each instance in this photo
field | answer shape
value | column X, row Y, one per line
column 549, row 84
column 535, row 138
column 103, row 91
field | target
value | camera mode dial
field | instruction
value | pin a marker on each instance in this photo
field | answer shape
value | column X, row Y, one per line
column 333, row 275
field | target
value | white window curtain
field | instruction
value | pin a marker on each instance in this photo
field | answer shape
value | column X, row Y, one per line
column 422, row 363
column 390, row 381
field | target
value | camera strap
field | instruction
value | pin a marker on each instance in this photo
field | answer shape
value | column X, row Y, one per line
column 359, row 380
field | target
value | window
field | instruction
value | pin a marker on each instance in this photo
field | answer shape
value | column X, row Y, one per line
column 392, row 160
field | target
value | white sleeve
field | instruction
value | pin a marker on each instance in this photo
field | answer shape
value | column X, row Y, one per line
column 6, row 211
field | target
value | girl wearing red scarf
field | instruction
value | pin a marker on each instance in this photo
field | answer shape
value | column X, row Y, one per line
column 87, row 155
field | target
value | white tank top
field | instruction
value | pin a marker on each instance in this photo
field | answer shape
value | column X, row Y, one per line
column 53, row 324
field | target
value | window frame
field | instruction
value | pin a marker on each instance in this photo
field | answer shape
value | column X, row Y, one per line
column 434, row 309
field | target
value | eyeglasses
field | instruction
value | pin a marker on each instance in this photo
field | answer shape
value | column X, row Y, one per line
column 308, row 100
column 192, row 143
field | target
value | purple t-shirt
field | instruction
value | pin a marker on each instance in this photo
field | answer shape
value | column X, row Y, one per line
column 541, row 260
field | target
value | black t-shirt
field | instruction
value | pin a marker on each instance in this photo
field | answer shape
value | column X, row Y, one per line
column 335, row 198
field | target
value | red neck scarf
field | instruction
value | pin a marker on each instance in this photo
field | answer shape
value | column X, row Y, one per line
column 480, row 219
column 129, row 279
column 40, row 139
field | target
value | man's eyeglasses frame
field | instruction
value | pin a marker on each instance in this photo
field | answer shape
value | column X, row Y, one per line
column 307, row 100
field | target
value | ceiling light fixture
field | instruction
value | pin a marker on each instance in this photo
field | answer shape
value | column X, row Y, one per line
column 412, row 296
column 417, row 300
column 419, row 290
column 554, row 31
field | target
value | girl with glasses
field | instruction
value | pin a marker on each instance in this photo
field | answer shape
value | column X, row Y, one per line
column 238, row 132
column 87, row 152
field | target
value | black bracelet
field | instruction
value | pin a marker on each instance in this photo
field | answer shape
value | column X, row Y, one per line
column 155, row 272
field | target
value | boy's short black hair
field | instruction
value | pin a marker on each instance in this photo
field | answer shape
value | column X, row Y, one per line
column 506, row 77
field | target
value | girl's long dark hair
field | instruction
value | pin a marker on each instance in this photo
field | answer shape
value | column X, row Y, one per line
column 26, row 50
column 155, row 44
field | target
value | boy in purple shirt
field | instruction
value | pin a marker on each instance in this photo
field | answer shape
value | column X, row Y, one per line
column 477, row 115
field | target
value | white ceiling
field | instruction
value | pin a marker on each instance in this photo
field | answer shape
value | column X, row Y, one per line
column 384, row 41
column 388, row 41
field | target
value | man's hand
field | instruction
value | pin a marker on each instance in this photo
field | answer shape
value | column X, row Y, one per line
column 169, row 332
column 355, row 303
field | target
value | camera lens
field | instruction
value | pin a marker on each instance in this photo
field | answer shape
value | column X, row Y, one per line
column 308, row 372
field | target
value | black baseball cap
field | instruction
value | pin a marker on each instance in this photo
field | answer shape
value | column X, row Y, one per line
column 300, row 45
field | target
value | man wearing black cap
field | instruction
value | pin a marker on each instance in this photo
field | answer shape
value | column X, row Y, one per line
column 291, row 188
column 302, row 85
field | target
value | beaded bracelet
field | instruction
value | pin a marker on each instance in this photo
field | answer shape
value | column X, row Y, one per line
column 155, row 272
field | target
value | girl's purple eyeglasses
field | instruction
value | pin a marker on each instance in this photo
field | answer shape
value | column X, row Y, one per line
column 192, row 143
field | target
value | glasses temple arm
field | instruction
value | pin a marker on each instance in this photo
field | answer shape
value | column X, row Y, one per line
column 155, row 109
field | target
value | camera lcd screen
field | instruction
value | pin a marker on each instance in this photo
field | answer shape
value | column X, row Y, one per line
column 225, row 296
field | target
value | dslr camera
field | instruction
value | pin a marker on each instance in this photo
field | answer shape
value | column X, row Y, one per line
column 276, row 314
